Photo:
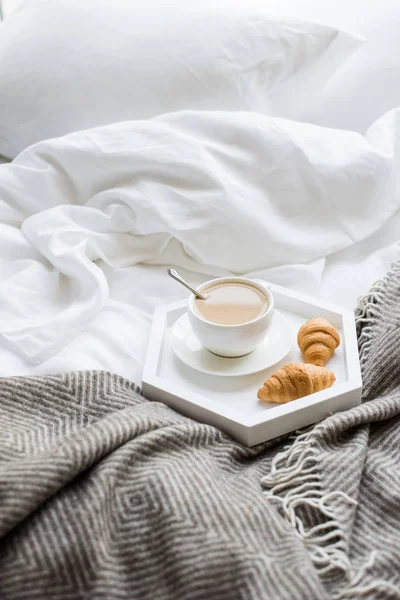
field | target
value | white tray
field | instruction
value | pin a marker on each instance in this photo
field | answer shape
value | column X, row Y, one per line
column 231, row 403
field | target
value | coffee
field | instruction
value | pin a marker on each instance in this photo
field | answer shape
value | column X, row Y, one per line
column 231, row 303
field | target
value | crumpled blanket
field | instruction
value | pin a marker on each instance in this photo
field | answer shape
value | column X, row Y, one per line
column 104, row 494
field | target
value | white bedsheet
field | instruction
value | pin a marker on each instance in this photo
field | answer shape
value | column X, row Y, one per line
column 88, row 223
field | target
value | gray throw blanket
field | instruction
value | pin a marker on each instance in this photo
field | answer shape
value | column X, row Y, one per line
column 104, row 494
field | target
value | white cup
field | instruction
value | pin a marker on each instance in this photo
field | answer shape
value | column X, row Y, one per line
column 232, row 340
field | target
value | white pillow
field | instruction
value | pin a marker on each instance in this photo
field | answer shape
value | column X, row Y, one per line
column 67, row 65
column 368, row 85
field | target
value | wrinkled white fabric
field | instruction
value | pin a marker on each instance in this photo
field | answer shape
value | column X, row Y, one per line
column 94, row 62
column 213, row 193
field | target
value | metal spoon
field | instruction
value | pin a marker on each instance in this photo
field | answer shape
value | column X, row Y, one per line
column 175, row 275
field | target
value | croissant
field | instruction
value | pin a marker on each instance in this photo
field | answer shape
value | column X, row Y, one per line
column 294, row 381
column 318, row 340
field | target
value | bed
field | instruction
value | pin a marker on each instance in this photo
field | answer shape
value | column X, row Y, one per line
column 271, row 151
column 116, row 338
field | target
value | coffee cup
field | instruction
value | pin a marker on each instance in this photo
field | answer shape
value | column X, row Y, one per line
column 232, row 339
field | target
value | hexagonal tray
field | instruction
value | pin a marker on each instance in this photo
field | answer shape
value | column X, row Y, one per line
column 231, row 403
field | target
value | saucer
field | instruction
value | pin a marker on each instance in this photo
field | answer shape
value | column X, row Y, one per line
column 276, row 345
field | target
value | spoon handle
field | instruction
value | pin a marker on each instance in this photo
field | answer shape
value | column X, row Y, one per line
column 175, row 275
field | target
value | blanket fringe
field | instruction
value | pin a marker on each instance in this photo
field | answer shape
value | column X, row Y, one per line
column 376, row 588
column 294, row 482
column 354, row 585
column 368, row 311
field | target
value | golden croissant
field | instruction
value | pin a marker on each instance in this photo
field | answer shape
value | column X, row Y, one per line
column 318, row 340
column 294, row 381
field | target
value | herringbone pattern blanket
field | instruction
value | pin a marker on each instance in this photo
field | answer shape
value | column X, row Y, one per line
column 104, row 494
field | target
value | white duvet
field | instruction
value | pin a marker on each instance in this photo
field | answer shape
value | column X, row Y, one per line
column 89, row 222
